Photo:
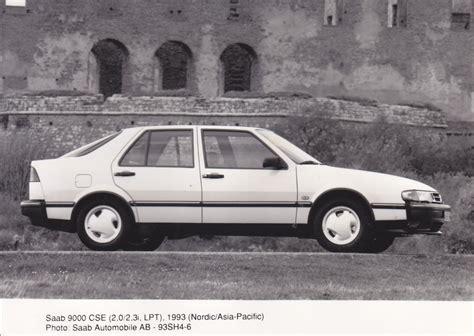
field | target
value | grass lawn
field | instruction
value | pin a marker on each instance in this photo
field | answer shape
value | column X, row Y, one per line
column 169, row 275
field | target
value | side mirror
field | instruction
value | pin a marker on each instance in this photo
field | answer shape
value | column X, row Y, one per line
column 275, row 163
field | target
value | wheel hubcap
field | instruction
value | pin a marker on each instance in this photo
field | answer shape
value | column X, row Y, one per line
column 341, row 225
column 103, row 224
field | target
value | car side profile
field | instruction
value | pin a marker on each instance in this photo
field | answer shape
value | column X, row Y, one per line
column 132, row 189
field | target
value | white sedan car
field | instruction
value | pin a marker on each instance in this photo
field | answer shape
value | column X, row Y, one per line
column 132, row 189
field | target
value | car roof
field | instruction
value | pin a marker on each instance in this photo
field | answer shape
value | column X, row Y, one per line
column 164, row 127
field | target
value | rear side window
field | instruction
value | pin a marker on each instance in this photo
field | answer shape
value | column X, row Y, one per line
column 136, row 155
column 161, row 149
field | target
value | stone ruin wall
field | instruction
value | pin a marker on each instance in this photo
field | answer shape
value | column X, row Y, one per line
column 427, row 57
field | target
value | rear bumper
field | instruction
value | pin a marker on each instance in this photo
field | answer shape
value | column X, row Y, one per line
column 422, row 218
column 34, row 210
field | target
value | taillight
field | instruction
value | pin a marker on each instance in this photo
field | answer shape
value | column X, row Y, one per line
column 34, row 175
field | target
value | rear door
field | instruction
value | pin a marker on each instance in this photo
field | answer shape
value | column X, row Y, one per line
column 159, row 171
column 236, row 188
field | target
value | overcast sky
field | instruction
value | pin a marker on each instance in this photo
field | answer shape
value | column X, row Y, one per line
column 15, row 2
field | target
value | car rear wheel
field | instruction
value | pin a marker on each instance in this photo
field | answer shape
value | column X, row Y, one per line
column 342, row 225
column 102, row 225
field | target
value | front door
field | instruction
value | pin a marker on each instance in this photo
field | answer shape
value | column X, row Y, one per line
column 160, row 173
column 237, row 189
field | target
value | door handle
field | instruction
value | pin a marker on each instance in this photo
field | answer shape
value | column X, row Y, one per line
column 125, row 173
column 213, row 176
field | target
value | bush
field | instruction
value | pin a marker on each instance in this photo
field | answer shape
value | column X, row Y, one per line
column 10, row 235
column 17, row 150
column 16, row 232
column 378, row 146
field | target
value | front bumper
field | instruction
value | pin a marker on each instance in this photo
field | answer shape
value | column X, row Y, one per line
column 422, row 218
column 427, row 216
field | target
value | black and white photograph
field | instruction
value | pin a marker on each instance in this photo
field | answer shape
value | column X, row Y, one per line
column 175, row 166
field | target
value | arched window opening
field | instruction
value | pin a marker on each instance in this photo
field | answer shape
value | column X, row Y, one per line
column 174, row 60
column 237, row 61
column 111, row 56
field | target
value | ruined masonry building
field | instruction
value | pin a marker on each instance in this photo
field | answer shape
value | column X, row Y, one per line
column 236, row 56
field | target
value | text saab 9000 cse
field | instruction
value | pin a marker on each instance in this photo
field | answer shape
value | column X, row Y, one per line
column 132, row 189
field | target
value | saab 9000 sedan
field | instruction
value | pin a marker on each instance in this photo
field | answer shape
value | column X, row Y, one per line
column 132, row 189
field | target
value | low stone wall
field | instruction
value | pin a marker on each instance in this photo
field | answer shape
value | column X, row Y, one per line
column 64, row 123
column 341, row 109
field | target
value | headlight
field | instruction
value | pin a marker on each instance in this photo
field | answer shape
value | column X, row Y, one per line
column 417, row 196
column 34, row 175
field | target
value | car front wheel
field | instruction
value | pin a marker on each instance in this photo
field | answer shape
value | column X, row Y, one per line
column 102, row 225
column 342, row 226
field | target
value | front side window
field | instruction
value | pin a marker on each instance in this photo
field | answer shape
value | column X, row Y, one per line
column 230, row 149
column 296, row 154
column 161, row 149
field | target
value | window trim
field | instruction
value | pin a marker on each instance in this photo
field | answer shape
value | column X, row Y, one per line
column 148, row 132
column 238, row 131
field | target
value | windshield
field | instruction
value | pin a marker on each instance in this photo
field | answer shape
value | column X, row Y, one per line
column 294, row 153
column 89, row 148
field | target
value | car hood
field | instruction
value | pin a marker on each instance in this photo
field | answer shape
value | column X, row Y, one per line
column 375, row 187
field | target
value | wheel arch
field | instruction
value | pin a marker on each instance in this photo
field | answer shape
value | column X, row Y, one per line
column 339, row 193
column 101, row 195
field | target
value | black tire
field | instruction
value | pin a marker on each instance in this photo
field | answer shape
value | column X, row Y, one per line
column 379, row 243
column 147, row 243
column 358, row 240
column 121, row 231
